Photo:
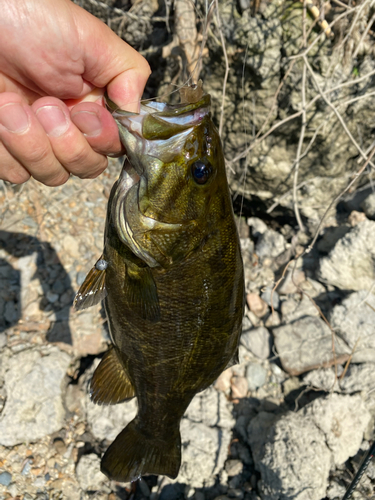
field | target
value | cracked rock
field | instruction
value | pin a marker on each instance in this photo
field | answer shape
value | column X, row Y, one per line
column 354, row 321
column 306, row 344
column 294, row 452
column 88, row 472
column 350, row 264
column 33, row 408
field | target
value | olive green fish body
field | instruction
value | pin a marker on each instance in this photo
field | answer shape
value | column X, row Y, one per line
column 173, row 283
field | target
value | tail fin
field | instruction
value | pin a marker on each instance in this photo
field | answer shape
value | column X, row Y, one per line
column 133, row 454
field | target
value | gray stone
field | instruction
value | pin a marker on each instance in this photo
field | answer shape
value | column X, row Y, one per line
column 3, row 340
column 258, row 341
column 330, row 237
column 294, row 452
column 258, row 227
column 88, row 472
column 270, row 244
column 52, row 297
column 307, row 344
column 106, row 422
column 359, row 378
column 368, row 206
column 11, row 313
column 5, row 478
column 350, row 264
column 343, row 419
column 233, row 467
column 204, row 451
column 58, row 287
column 256, row 376
column 323, row 379
column 291, row 456
column 270, row 294
column 293, row 310
column 354, row 321
column 211, row 408
column 33, row 408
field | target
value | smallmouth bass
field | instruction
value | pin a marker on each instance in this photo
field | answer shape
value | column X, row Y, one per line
column 171, row 278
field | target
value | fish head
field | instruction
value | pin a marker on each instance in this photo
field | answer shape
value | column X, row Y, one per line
column 179, row 187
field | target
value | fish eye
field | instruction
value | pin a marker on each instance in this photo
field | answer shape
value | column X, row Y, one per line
column 201, row 172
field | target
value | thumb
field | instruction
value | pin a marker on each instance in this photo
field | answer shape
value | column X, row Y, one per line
column 110, row 62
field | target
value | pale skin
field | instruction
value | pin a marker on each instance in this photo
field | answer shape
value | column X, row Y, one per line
column 56, row 61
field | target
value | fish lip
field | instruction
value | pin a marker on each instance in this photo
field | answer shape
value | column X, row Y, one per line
column 183, row 115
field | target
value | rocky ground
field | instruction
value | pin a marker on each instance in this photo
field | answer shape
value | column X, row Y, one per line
column 295, row 417
column 287, row 422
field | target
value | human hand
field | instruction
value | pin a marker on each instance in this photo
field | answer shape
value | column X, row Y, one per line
column 56, row 60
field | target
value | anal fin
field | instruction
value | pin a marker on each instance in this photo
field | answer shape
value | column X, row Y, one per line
column 110, row 383
column 93, row 289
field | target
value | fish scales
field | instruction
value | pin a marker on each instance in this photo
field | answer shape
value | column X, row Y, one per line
column 172, row 280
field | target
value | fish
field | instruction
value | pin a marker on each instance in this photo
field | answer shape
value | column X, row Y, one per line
column 171, row 278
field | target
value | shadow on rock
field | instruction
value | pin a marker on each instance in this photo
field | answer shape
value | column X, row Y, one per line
column 37, row 260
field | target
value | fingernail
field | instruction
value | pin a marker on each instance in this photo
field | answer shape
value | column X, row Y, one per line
column 88, row 123
column 53, row 120
column 14, row 118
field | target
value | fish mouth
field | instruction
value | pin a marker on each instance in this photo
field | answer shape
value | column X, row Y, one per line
column 161, row 121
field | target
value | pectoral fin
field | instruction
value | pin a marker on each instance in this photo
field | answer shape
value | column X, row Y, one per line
column 110, row 383
column 93, row 289
column 141, row 293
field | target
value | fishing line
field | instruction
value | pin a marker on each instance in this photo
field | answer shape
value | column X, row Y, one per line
column 244, row 128
column 363, row 466
column 193, row 77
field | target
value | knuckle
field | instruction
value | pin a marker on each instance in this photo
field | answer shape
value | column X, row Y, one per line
column 16, row 176
column 39, row 155
column 77, row 159
column 57, row 180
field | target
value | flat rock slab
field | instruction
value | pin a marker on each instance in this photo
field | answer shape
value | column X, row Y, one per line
column 350, row 264
column 306, row 344
column 354, row 321
column 294, row 452
column 33, row 408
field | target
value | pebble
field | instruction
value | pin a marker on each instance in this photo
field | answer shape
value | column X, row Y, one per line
column 239, row 387
column 368, row 206
column 60, row 446
column 256, row 376
column 270, row 244
column 291, row 281
column 233, row 467
column 258, row 341
column 27, row 467
column 5, row 478
column 256, row 305
column 269, row 293
column 52, row 297
column 235, row 493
